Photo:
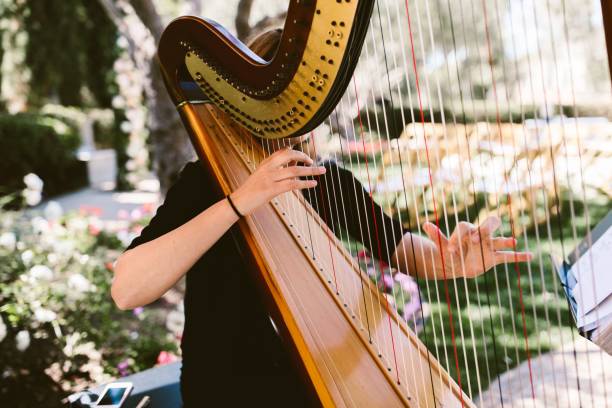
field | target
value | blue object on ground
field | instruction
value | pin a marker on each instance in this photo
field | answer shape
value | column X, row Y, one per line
column 161, row 383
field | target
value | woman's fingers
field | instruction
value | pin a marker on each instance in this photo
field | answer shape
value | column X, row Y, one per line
column 299, row 171
column 435, row 234
column 461, row 233
column 511, row 256
column 503, row 243
column 295, row 184
column 284, row 156
column 486, row 228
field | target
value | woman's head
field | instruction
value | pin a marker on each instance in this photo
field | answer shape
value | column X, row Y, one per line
column 266, row 43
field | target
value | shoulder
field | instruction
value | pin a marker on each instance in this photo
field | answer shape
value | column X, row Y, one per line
column 193, row 184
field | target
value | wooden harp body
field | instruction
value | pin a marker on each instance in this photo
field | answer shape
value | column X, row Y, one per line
column 318, row 297
column 351, row 345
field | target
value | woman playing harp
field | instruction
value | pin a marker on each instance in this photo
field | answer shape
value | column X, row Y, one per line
column 231, row 351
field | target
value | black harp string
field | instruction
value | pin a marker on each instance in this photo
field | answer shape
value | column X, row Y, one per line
column 435, row 209
column 482, row 165
column 378, row 129
column 531, row 194
column 394, row 118
column 394, row 126
column 464, row 184
column 491, row 70
column 548, row 216
column 438, row 148
column 352, row 216
column 506, row 79
column 431, row 321
column 579, row 149
column 340, row 207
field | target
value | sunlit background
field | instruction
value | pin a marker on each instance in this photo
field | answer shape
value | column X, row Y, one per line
column 513, row 98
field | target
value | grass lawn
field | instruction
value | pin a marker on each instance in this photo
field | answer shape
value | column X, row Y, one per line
column 487, row 315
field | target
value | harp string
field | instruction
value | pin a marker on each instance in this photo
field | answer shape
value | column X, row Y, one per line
column 414, row 204
column 546, row 207
column 338, row 225
column 453, row 198
column 579, row 150
column 351, row 217
column 437, row 156
column 393, row 126
column 379, row 248
column 381, row 97
column 509, row 198
column 525, row 202
column 505, row 76
column 386, row 132
column 366, row 208
column 435, row 206
column 312, row 327
column 515, row 161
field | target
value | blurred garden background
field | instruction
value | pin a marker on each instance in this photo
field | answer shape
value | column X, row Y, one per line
column 91, row 142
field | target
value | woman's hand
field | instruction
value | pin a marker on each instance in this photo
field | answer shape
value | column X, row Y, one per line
column 472, row 250
column 275, row 175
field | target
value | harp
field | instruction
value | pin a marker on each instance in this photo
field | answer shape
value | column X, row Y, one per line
column 454, row 163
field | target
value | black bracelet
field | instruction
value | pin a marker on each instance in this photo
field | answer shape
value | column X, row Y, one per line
column 229, row 199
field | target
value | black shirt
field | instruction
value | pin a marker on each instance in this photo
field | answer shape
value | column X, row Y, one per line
column 231, row 352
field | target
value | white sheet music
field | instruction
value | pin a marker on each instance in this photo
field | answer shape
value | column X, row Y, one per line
column 593, row 271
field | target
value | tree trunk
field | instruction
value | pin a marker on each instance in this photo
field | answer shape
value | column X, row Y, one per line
column 171, row 145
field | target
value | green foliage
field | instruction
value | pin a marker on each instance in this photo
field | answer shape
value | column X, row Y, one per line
column 42, row 145
column 59, row 328
column 491, row 305
column 71, row 47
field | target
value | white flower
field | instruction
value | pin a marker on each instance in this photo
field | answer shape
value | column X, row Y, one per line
column 26, row 256
column 8, row 240
column 23, row 340
column 33, row 182
column 40, row 225
column 41, row 272
column 77, row 224
column 2, row 329
column 79, row 283
column 53, row 211
column 52, row 258
column 44, row 315
column 175, row 321
column 126, row 127
column 32, row 197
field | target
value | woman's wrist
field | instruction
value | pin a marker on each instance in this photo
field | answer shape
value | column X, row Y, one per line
column 232, row 204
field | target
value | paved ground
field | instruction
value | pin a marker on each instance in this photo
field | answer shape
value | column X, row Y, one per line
column 560, row 380
column 109, row 203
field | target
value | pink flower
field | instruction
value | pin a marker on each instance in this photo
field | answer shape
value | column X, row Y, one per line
column 123, row 367
column 411, row 308
column 138, row 311
column 148, row 208
column 362, row 254
column 123, row 214
column 94, row 230
column 165, row 357
column 386, row 281
column 408, row 284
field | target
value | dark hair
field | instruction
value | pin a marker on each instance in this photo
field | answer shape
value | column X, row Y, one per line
column 266, row 43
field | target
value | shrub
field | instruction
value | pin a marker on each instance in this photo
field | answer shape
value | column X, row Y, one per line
column 59, row 328
column 37, row 144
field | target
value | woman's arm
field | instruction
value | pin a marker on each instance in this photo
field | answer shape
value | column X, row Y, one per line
column 469, row 252
column 144, row 273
